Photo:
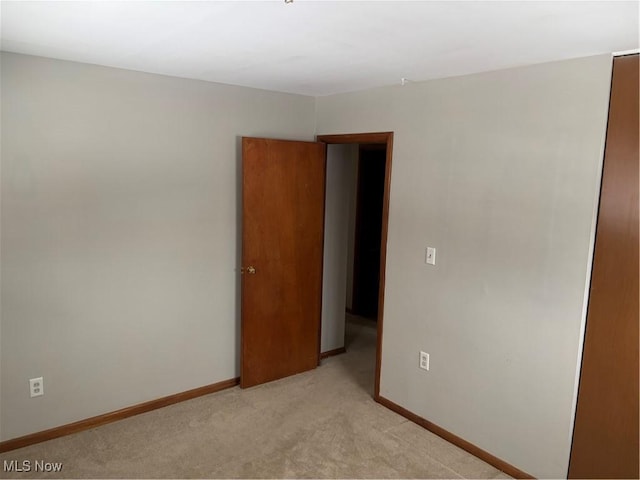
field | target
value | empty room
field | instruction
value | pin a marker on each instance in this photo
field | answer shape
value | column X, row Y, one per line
column 319, row 239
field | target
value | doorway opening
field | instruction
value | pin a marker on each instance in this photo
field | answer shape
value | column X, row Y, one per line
column 367, row 259
column 365, row 279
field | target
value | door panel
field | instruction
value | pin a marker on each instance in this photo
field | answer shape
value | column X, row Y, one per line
column 282, row 243
column 605, row 438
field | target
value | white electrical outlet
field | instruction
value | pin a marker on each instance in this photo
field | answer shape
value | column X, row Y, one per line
column 424, row 360
column 36, row 387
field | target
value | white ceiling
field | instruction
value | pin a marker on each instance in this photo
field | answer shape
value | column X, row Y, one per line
column 317, row 47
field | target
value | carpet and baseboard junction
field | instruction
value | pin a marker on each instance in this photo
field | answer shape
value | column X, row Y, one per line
column 319, row 424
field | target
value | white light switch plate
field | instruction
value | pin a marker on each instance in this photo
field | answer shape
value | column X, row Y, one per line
column 430, row 256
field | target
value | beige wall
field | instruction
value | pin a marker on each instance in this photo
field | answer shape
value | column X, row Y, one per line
column 500, row 172
column 119, row 198
column 120, row 233
column 351, row 233
column 339, row 211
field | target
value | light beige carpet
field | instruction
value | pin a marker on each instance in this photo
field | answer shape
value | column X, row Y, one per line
column 319, row 424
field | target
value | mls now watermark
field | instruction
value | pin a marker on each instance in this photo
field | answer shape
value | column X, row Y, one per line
column 29, row 466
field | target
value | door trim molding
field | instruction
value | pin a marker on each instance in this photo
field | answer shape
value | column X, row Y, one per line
column 387, row 139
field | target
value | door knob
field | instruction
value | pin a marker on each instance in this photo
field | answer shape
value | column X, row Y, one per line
column 251, row 269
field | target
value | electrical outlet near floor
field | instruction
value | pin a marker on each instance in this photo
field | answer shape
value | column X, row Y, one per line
column 424, row 360
column 36, row 387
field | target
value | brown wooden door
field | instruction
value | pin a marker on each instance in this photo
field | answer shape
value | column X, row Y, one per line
column 283, row 186
column 605, row 438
